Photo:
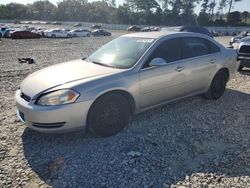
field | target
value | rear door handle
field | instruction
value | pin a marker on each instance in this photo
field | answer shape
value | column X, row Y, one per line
column 179, row 69
column 212, row 61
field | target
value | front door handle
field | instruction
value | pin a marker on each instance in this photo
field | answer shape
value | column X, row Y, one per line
column 212, row 61
column 179, row 69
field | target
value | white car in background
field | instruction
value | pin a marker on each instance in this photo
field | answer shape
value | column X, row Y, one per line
column 80, row 33
column 57, row 33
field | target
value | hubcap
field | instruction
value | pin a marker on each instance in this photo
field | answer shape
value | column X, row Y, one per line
column 110, row 115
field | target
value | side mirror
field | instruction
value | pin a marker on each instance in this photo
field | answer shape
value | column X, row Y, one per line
column 157, row 62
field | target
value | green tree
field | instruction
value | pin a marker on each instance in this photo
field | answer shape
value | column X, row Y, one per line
column 142, row 5
column 234, row 18
column 44, row 10
column 203, row 19
column 245, row 16
column 14, row 10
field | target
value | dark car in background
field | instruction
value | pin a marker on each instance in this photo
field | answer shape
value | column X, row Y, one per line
column 146, row 29
column 96, row 26
column 100, row 32
column 194, row 29
column 24, row 35
column 134, row 28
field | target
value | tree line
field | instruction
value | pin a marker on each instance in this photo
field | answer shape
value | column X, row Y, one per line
column 142, row 12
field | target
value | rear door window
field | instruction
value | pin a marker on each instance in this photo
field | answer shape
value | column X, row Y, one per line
column 195, row 47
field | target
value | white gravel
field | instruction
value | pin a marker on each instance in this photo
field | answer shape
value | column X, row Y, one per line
column 190, row 143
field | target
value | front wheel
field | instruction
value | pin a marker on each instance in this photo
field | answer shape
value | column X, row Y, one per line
column 108, row 115
column 218, row 86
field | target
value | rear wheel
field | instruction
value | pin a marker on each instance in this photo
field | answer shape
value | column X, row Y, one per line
column 108, row 115
column 218, row 86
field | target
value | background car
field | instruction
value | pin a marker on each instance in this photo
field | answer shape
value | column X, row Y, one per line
column 194, row 29
column 80, row 33
column 134, row 28
column 239, row 36
column 96, row 26
column 197, row 29
column 242, row 47
column 57, row 33
column 100, row 32
column 24, row 35
column 8, row 33
column 146, row 29
column 3, row 31
column 39, row 31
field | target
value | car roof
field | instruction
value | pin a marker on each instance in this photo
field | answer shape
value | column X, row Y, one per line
column 153, row 35
column 160, row 34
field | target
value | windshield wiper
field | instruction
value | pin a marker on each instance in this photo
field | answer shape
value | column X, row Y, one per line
column 102, row 64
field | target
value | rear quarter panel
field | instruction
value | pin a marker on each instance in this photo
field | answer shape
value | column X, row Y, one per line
column 230, row 62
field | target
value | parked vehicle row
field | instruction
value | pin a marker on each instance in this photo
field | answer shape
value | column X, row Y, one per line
column 145, row 29
column 31, row 32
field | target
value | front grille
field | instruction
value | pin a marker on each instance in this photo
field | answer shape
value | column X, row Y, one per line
column 48, row 125
column 25, row 97
column 244, row 49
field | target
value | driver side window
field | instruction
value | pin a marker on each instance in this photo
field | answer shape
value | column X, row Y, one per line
column 169, row 50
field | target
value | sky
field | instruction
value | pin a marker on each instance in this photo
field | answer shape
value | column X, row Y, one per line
column 240, row 6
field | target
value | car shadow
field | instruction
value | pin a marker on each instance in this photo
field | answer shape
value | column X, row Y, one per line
column 160, row 146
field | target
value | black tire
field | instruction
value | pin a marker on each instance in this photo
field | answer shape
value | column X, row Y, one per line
column 53, row 36
column 68, row 35
column 108, row 115
column 218, row 86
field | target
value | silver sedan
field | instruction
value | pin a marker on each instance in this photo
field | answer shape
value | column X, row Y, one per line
column 128, row 75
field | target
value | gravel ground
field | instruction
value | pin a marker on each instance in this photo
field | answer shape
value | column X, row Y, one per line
column 190, row 143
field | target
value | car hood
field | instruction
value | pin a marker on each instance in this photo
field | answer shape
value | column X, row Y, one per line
column 63, row 73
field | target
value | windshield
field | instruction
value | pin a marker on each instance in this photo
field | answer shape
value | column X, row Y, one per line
column 122, row 52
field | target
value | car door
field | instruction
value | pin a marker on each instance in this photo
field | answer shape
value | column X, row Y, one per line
column 61, row 33
column 166, row 82
column 200, row 56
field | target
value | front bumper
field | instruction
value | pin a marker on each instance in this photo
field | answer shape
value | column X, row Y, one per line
column 52, row 119
column 244, row 59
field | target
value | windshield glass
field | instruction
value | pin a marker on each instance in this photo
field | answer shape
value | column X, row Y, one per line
column 122, row 52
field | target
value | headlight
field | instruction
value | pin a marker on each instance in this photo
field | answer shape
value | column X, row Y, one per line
column 65, row 96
